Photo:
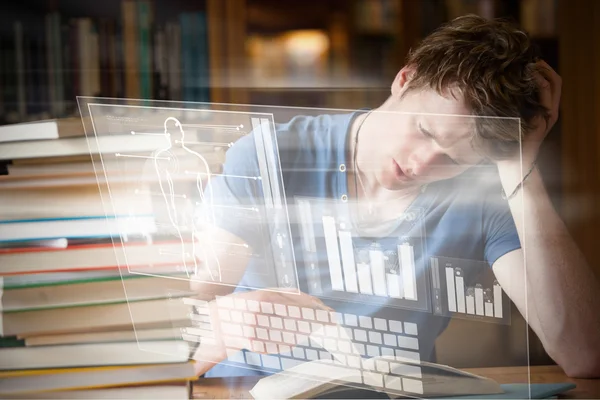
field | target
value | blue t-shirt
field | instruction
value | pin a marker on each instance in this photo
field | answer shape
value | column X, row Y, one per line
column 461, row 218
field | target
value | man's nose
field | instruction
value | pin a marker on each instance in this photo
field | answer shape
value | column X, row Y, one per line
column 424, row 163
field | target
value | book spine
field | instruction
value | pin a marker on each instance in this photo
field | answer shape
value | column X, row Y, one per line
column 145, row 51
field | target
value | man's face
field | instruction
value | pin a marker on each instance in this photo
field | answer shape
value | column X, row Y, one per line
column 428, row 139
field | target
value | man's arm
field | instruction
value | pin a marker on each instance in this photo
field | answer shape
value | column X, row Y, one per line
column 557, row 290
column 562, row 302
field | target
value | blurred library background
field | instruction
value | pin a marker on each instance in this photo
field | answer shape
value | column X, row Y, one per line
column 313, row 53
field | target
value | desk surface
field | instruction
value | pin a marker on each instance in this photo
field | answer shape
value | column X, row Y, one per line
column 237, row 388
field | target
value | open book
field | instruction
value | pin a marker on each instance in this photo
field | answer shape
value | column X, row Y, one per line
column 406, row 378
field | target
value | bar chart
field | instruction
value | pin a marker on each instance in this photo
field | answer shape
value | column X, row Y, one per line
column 372, row 270
column 477, row 298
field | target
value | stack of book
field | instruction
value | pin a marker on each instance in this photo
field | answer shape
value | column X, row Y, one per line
column 84, row 312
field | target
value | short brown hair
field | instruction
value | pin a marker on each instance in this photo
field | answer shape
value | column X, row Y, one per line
column 490, row 63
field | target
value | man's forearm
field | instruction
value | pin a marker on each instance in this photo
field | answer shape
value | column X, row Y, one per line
column 562, row 287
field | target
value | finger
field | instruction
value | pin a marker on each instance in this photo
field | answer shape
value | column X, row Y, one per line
column 554, row 81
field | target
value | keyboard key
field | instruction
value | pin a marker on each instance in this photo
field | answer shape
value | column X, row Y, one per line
column 288, row 337
column 350, row 320
column 382, row 366
column 353, row 361
column 387, row 351
column 231, row 329
column 294, row 311
column 266, row 308
column 410, row 328
column 330, row 344
column 258, row 346
column 271, row 348
column 236, row 342
column 335, row 317
column 372, row 351
column 285, row 350
column 280, row 310
column 408, row 342
column 324, row 355
column 303, row 327
column 298, row 352
column 360, row 335
column 392, row 382
column 412, row 386
column 365, row 322
column 331, row 331
column 289, row 324
column 253, row 306
column 262, row 334
column 270, row 361
column 389, row 340
column 322, row 315
column 375, row 337
column 302, row 339
column 373, row 378
column 396, row 326
column 239, row 303
column 380, row 324
column 224, row 301
column 287, row 363
column 317, row 329
column 308, row 313
column 360, row 348
column 345, row 347
column 411, row 355
column 263, row 320
column 275, row 335
column 411, row 371
column 276, row 323
column 341, row 358
column 316, row 341
column 252, row 358
column 235, row 356
column 224, row 315
column 248, row 331
column 345, row 333
column 312, row 354
column 249, row 319
column 236, row 316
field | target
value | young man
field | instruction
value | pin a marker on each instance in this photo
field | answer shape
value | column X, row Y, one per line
column 401, row 155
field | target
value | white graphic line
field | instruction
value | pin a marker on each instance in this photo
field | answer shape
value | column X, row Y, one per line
column 230, row 244
column 233, row 207
column 149, row 133
column 234, row 127
column 148, row 157
column 180, row 196
column 225, row 175
column 205, row 143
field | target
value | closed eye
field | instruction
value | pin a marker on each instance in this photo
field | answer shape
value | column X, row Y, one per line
column 431, row 136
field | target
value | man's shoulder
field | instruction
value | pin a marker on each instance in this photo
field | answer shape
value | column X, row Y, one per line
column 314, row 130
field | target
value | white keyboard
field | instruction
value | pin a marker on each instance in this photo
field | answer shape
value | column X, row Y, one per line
column 293, row 335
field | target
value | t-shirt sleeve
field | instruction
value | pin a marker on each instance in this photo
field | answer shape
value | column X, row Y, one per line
column 234, row 195
column 501, row 235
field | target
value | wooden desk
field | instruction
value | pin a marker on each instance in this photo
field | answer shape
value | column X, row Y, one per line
column 237, row 388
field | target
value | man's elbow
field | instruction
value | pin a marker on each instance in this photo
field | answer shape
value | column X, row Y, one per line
column 587, row 366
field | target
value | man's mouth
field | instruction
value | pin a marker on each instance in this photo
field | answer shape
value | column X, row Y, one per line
column 398, row 172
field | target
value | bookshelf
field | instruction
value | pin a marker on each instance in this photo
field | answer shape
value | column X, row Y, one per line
column 105, row 48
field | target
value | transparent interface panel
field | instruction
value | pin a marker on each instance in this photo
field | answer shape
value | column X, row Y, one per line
column 393, row 293
column 176, row 157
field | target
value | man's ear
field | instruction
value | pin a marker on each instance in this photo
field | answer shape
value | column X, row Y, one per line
column 402, row 78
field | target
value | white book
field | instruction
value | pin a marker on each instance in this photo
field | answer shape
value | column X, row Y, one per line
column 104, row 144
column 20, row 230
column 94, row 354
column 41, row 130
